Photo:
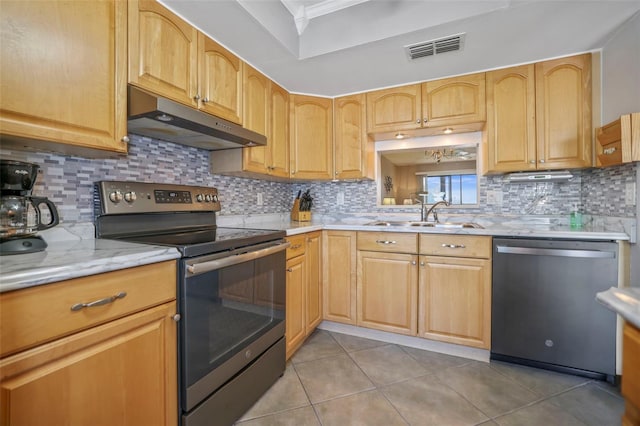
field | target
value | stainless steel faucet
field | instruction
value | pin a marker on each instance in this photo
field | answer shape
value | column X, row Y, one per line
column 432, row 210
column 421, row 201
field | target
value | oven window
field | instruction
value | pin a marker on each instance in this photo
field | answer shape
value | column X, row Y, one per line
column 229, row 308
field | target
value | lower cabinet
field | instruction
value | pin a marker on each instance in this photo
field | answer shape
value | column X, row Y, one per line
column 304, row 289
column 436, row 286
column 631, row 375
column 120, row 372
column 339, row 276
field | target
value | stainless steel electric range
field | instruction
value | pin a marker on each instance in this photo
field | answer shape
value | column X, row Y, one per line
column 231, row 292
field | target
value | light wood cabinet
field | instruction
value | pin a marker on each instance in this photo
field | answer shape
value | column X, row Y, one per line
column 278, row 139
column 433, row 104
column 387, row 291
column 220, row 85
column 64, row 75
column 454, row 101
column 295, row 304
column 563, row 112
column 163, row 52
column 311, row 126
column 511, row 119
column 304, row 288
column 169, row 57
column 455, row 289
column 257, row 100
column 631, row 374
column 122, row 371
column 339, row 276
column 353, row 153
column 539, row 116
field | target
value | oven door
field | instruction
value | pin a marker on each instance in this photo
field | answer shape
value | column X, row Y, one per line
column 233, row 310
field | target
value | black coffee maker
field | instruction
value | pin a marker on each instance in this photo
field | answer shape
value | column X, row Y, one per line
column 21, row 216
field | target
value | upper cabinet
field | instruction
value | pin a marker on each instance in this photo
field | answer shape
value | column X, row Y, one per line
column 511, row 119
column 352, row 151
column 539, row 116
column 453, row 101
column 618, row 142
column 163, row 52
column 434, row 104
column 64, row 75
column 169, row 57
column 311, row 141
column 257, row 100
column 220, row 81
column 278, row 139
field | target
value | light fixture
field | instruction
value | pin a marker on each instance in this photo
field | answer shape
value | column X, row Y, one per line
column 447, row 131
column 399, row 135
column 164, row 117
column 438, row 154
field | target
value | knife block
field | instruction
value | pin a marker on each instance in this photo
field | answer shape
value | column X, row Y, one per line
column 298, row 215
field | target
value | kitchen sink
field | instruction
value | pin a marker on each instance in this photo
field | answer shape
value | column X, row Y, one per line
column 426, row 224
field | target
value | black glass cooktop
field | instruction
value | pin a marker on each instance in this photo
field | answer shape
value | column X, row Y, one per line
column 196, row 243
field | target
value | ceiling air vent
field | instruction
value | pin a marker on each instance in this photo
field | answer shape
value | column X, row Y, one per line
column 434, row 47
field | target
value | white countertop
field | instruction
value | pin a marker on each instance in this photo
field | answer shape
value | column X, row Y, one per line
column 624, row 301
column 63, row 260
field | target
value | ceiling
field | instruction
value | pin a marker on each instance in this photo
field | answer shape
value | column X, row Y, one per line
column 337, row 47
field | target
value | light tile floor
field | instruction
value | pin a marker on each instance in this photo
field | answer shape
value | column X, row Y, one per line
column 336, row 379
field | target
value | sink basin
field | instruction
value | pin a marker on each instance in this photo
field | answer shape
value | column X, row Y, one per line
column 427, row 224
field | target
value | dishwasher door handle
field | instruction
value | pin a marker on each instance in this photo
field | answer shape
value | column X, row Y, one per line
column 591, row 254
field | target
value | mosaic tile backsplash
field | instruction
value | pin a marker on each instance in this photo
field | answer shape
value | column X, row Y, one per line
column 68, row 182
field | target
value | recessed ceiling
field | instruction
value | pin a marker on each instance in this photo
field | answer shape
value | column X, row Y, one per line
column 336, row 47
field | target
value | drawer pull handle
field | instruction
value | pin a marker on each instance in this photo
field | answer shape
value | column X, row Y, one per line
column 454, row 245
column 100, row 302
column 295, row 246
column 385, row 242
column 289, row 270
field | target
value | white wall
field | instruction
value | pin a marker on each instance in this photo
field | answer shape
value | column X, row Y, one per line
column 621, row 71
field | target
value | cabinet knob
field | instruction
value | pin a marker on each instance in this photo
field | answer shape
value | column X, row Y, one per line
column 176, row 317
column 421, row 263
column 289, row 270
column 418, row 121
column 532, row 161
column 196, row 98
column 205, row 100
column 125, row 139
column 413, row 262
column 542, row 161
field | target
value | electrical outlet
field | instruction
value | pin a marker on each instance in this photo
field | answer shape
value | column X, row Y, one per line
column 491, row 197
column 630, row 194
column 498, row 198
column 259, row 201
column 340, row 198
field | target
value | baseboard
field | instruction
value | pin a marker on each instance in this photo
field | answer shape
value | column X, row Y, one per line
column 413, row 342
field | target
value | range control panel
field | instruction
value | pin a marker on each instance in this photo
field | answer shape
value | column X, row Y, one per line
column 120, row 197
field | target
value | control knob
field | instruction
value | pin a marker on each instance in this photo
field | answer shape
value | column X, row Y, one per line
column 115, row 197
column 208, row 198
column 130, row 196
column 199, row 198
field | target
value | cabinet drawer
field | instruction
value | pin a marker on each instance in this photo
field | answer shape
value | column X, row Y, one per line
column 455, row 245
column 43, row 313
column 297, row 246
column 393, row 242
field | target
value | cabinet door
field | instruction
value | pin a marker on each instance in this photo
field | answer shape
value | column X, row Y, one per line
column 350, row 140
column 388, row 292
column 120, row 373
column 398, row 108
column 631, row 374
column 563, row 112
column 220, row 81
column 295, row 319
column 455, row 300
column 452, row 101
column 256, row 117
column 163, row 52
column 278, row 144
column 511, row 127
column 339, row 276
column 314, row 281
column 311, row 137
column 55, row 87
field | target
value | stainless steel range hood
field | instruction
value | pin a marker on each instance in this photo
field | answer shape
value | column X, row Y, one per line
column 160, row 118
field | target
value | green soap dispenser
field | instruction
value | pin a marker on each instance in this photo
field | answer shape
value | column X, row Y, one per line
column 575, row 218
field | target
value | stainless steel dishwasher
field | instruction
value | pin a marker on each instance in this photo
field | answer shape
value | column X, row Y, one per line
column 544, row 312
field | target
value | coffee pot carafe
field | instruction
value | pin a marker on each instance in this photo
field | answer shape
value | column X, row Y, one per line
column 21, row 214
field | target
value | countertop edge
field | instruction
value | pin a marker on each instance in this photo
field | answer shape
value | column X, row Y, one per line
column 624, row 301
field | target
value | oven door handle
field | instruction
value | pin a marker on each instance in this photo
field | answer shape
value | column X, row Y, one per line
column 212, row 265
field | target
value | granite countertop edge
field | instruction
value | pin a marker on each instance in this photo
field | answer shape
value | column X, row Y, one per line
column 624, row 301
column 74, row 259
